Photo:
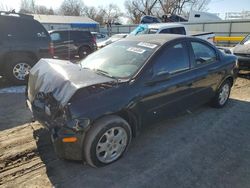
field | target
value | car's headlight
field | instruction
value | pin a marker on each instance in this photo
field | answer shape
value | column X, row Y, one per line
column 79, row 124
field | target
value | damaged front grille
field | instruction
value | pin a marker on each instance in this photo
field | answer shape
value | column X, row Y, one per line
column 47, row 106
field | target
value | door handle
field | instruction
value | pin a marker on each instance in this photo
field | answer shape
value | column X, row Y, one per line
column 185, row 84
column 212, row 69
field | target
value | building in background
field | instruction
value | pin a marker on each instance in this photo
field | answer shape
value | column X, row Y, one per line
column 237, row 15
column 244, row 15
column 56, row 22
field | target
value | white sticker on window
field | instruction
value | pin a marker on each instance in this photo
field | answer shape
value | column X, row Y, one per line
column 136, row 50
column 147, row 45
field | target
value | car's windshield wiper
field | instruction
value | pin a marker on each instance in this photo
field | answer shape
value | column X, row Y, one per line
column 105, row 73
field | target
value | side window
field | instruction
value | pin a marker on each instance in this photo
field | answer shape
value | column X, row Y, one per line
column 172, row 59
column 100, row 36
column 165, row 31
column 203, row 53
column 179, row 30
column 176, row 30
column 66, row 35
column 152, row 31
column 72, row 35
column 55, row 37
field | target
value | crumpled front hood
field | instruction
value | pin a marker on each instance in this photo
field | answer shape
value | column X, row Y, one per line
column 61, row 78
column 242, row 49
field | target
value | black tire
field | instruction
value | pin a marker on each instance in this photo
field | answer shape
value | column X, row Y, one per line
column 84, row 51
column 11, row 69
column 97, row 133
column 216, row 102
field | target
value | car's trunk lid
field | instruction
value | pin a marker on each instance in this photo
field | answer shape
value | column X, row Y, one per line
column 242, row 49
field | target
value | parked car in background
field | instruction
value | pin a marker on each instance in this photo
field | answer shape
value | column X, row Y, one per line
column 242, row 51
column 171, row 28
column 99, row 36
column 23, row 41
column 149, row 19
column 94, row 108
column 112, row 39
column 70, row 43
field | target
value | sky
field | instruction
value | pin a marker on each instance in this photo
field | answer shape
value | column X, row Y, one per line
column 215, row 6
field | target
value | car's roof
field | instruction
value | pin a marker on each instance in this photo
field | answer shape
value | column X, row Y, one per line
column 154, row 38
column 160, row 25
column 120, row 34
column 66, row 30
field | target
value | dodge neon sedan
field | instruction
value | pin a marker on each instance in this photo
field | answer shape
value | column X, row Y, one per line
column 93, row 109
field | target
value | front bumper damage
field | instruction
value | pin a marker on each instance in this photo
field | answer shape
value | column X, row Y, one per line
column 61, row 132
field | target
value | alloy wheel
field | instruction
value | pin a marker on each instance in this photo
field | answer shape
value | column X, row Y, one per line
column 20, row 70
column 111, row 145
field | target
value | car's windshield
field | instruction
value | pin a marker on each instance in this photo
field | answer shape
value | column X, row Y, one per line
column 121, row 59
column 246, row 40
column 143, row 29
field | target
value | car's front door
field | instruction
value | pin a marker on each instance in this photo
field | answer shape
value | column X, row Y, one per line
column 168, row 89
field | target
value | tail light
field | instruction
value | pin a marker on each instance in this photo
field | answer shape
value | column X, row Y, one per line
column 94, row 39
column 51, row 49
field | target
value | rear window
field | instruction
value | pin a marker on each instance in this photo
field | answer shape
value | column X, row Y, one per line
column 246, row 40
column 176, row 30
column 22, row 29
column 70, row 35
column 75, row 35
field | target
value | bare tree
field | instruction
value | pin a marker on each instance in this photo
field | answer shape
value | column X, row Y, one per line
column 94, row 13
column 144, row 6
column 4, row 7
column 111, row 13
column 71, row 7
column 174, row 6
column 132, row 12
column 137, row 8
column 27, row 6
column 43, row 10
column 90, row 12
column 199, row 5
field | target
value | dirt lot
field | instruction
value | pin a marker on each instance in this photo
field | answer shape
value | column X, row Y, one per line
column 206, row 148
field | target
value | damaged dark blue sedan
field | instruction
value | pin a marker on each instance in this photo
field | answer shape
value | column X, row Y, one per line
column 94, row 108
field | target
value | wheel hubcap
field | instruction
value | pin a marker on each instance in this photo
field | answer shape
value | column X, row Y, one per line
column 111, row 144
column 20, row 70
column 224, row 94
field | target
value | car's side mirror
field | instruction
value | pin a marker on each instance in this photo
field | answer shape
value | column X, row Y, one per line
column 159, row 77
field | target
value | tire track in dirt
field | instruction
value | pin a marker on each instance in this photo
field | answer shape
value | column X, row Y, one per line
column 19, row 156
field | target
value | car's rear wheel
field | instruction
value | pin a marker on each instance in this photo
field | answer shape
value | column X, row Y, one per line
column 222, row 95
column 84, row 51
column 17, row 69
column 106, row 141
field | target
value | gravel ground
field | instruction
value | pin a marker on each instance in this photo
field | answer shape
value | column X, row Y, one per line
column 205, row 148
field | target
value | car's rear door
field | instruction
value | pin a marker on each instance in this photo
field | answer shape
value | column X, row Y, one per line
column 170, row 96
column 207, row 68
column 62, row 43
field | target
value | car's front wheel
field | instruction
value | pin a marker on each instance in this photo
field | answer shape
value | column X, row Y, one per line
column 106, row 141
column 84, row 52
column 222, row 94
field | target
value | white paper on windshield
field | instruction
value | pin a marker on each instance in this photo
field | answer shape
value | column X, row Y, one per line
column 136, row 50
column 147, row 45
